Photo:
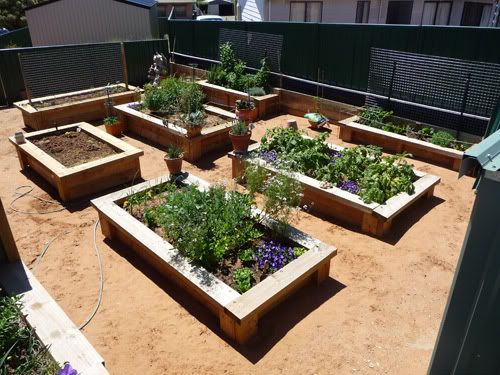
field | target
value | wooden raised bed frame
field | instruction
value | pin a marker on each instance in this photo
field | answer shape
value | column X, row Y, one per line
column 153, row 129
column 84, row 179
column 373, row 218
column 68, row 113
column 352, row 131
column 52, row 326
column 238, row 314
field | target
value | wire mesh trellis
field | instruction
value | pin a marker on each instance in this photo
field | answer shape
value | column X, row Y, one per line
column 456, row 86
column 253, row 46
column 71, row 68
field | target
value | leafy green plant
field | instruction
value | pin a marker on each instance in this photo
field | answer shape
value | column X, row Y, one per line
column 256, row 91
column 193, row 119
column 20, row 350
column 231, row 72
column 245, row 104
column 246, row 255
column 110, row 120
column 442, row 138
column 374, row 116
column 206, row 225
column 174, row 152
column 243, row 279
column 191, row 98
column 360, row 170
column 239, row 128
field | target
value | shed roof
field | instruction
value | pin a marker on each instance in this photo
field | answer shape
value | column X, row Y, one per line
column 139, row 3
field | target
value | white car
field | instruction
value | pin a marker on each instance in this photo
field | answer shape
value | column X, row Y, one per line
column 209, row 18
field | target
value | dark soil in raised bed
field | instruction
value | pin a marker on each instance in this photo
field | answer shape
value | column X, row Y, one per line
column 211, row 120
column 78, row 97
column 231, row 263
column 74, row 148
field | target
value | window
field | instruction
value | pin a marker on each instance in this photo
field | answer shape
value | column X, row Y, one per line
column 362, row 12
column 306, row 11
column 476, row 14
column 399, row 12
column 436, row 13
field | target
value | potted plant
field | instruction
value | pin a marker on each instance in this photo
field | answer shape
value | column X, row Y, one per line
column 173, row 158
column 113, row 126
column 240, row 136
column 245, row 110
column 193, row 123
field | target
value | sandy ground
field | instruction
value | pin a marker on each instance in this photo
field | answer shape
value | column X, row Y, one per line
column 379, row 312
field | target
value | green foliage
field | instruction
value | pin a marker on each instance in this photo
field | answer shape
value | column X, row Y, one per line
column 256, row 91
column 239, row 128
column 374, row 116
column 245, row 104
column 174, row 95
column 298, row 251
column 143, row 196
column 174, row 152
column 12, row 13
column 246, row 255
column 231, row 72
column 20, row 350
column 442, row 138
column 243, row 279
column 206, row 225
column 110, row 120
column 282, row 193
column 391, row 175
column 193, row 119
column 379, row 177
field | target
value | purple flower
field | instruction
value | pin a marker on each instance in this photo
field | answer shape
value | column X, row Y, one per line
column 334, row 154
column 134, row 105
column 350, row 186
column 67, row 370
column 269, row 156
column 275, row 254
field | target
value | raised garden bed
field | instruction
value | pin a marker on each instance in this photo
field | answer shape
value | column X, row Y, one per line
column 373, row 218
column 79, row 164
column 266, row 105
column 72, row 107
column 154, row 129
column 352, row 131
column 238, row 314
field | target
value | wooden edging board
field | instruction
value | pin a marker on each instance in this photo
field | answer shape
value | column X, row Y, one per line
column 238, row 314
column 153, row 129
column 87, row 178
column 67, row 113
column 372, row 218
column 352, row 131
column 52, row 326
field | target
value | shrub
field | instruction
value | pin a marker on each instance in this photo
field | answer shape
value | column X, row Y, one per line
column 191, row 98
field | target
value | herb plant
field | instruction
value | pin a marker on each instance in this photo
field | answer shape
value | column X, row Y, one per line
column 243, row 279
column 442, row 138
column 174, row 152
column 245, row 104
column 110, row 120
column 240, row 128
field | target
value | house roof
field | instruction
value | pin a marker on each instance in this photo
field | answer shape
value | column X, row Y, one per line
column 139, row 3
column 160, row 2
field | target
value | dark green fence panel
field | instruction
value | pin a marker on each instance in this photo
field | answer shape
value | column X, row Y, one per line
column 341, row 52
column 163, row 26
column 16, row 38
column 494, row 124
column 139, row 56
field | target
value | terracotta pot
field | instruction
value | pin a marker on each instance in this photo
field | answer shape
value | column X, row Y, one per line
column 174, row 165
column 115, row 129
column 240, row 142
column 246, row 114
column 193, row 132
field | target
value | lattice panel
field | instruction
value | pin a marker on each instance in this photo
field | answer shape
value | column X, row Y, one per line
column 253, row 46
column 451, row 84
column 71, row 68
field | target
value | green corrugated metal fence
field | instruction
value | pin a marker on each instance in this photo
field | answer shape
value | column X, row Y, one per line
column 339, row 52
column 138, row 54
column 16, row 38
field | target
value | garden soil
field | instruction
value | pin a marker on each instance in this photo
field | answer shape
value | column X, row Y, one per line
column 74, row 148
column 378, row 313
